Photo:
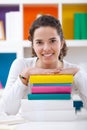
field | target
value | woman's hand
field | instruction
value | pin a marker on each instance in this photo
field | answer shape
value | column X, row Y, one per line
column 72, row 71
column 25, row 74
column 36, row 71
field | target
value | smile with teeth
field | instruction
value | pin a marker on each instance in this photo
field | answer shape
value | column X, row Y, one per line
column 47, row 55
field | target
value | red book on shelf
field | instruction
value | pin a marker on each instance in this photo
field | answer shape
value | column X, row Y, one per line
column 52, row 89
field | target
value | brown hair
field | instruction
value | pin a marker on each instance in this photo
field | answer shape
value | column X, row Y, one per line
column 47, row 20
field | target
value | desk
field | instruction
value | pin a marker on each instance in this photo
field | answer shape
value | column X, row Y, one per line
column 79, row 125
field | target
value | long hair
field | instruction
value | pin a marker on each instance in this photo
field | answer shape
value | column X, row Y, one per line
column 48, row 20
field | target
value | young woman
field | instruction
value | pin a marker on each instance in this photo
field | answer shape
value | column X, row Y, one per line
column 49, row 49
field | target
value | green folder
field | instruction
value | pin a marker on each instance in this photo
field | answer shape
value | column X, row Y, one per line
column 83, row 17
column 49, row 96
column 80, row 26
column 77, row 30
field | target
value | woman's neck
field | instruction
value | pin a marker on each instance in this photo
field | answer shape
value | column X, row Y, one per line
column 57, row 64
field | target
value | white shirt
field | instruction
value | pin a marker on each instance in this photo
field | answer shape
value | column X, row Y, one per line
column 15, row 90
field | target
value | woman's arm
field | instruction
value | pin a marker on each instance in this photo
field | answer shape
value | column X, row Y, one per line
column 14, row 90
column 80, row 82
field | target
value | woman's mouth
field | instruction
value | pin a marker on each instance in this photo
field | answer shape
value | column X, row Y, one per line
column 47, row 55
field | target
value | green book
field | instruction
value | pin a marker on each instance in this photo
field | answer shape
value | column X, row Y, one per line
column 83, row 17
column 49, row 96
column 77, row 24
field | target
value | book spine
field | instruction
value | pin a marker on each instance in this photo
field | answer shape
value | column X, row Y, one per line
column 51, row 89
column 51, row 84
column 77, row 30
column 49, row 96
column 51, row 79
column 83, row 26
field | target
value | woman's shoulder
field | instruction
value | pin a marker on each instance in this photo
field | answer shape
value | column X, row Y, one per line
column 25, row 61
column 69, row 64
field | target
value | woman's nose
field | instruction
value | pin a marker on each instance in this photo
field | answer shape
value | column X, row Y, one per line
column 46, row 46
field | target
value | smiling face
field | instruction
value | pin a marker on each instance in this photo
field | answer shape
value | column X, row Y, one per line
column 47, row 45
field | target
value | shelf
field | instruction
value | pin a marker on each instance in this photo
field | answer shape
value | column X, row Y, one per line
column 76, row 43
column 70, row 43
column 30, row 9
column 43, row 1
column 21, row 48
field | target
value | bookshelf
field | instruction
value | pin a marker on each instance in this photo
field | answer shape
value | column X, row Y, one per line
column 28, row 10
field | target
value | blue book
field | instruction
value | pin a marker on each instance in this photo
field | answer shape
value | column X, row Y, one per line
column 49, row 96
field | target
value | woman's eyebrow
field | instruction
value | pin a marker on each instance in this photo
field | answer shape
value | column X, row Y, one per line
column 38, row 39
column 52, row 38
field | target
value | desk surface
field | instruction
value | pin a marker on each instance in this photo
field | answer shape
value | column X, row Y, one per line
column 80, row 125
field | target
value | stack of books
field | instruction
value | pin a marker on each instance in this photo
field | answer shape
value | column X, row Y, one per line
column 50, row 87
column 50, row 98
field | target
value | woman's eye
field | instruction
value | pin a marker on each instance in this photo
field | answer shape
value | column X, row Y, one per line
column 53, row 41
column 38, row 42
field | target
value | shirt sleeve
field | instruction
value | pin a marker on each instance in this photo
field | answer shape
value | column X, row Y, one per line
column 14, row 90
column 80, row 81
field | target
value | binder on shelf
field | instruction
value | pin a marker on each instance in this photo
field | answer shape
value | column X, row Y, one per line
column 2, row 33
column 77, row 30
column 13, row 25
column 80, row 26
column 83, row 25
column 5, row 64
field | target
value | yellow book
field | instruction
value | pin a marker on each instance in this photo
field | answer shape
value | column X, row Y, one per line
column 51, row 79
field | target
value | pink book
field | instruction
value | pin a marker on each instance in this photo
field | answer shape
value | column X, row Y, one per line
column 51, row 89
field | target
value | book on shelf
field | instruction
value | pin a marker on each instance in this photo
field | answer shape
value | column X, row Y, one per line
column 13, row 25
column 80, row 26
column 77, row 31
column 2, row 32
column 51, row 79
column 83, row 25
